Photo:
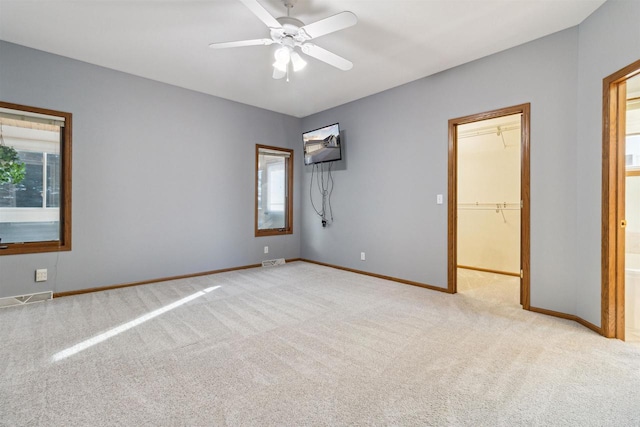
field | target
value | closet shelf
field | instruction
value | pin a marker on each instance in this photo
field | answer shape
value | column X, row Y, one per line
column 490, row 206
column 498, row 207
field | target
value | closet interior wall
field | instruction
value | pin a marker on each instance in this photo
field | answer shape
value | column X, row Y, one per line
column 489, row 195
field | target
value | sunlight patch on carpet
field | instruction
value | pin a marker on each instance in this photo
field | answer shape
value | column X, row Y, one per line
column 126, row 326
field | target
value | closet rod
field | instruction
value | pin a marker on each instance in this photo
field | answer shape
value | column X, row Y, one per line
column 496, row 205
column 489, row 130
column 494, row 208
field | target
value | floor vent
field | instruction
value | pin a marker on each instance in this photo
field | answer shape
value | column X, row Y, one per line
column 273, row 262
column 25, row 299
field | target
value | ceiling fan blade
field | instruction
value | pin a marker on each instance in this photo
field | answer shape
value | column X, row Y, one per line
column 261, row 13
column 326, row 56
column 328, row 25
column 256, row 42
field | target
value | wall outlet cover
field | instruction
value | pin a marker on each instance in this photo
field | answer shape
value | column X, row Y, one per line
column 41, row 275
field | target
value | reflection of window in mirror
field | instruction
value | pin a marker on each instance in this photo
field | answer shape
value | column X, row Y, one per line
column 274, row 191
column 35, row 180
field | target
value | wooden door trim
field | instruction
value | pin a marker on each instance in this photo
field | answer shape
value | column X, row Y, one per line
column 621, row 127
column 525, row 214
column 612, row 305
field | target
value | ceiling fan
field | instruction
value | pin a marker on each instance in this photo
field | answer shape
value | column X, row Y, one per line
column 291, row 33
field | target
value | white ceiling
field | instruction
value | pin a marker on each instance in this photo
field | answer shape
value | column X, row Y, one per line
column 394, row 42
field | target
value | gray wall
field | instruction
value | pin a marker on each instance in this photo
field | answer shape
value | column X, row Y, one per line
column 609, row 41
column 396, row 162
column 163, row 177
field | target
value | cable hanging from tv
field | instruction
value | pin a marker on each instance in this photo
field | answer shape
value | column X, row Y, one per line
column 324, row 182
column 322, row 146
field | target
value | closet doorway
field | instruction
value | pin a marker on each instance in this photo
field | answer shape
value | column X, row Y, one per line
column 489, row 205
column 621, row 205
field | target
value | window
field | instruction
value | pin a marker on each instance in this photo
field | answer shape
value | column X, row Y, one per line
column 274, row 191
column 632, row 155
column 35, row 180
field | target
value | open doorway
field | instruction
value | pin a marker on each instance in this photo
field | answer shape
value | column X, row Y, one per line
column 621, row 205
column 489, row 205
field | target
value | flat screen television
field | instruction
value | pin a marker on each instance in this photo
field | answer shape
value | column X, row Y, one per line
column 322, row 145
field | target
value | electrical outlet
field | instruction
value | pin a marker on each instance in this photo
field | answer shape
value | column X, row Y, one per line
column 362, row 256
column 41, row 275
column 266, row 249
column 439, row 199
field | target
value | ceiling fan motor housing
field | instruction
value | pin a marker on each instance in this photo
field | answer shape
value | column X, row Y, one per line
column 290, row 30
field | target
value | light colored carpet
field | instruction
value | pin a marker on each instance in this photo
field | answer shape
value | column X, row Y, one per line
column 491, row 288
column 302, row 344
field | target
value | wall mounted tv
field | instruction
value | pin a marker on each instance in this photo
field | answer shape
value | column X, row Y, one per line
column 322, row 145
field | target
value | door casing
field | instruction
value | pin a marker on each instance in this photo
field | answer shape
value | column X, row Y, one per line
column 614, row 97
column 524, row 110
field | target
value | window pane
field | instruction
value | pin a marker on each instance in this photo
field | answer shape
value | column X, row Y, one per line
column 276, row 187
column 30, row 209
column 29, row 192
column 53, row 181
column 632, row 158
column 22, row 232
column 271, row 191
column 7, row 197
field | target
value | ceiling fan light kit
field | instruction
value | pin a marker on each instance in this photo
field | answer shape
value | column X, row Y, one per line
column 297, row 61
column 290, row 33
